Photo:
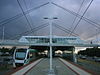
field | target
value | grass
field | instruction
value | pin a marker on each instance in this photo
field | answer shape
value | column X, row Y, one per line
column 90, row 62
column 5, row 67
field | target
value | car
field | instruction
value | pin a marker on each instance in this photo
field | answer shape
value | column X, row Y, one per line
column 83, row 57
column 97, row 59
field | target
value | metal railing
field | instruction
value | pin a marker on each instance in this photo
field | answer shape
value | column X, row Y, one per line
column 17, row 43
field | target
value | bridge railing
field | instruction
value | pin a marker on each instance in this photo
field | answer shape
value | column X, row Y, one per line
column 16, row 42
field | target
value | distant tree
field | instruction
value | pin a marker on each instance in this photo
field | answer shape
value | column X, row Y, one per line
column 91, row 52
column 4, row 50
column 12, row 50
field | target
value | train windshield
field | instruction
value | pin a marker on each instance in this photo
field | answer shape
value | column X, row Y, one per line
column 20, row 54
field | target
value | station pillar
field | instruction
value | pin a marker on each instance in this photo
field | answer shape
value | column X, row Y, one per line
column 74, row 55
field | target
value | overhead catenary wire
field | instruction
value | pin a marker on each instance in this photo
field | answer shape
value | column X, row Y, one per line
column 6, row 21
column 26, row 10
column 29, row 31
column 61, row 28
column 64, row 29
column 81, row 17
column 30, row 26
column 7, row 35
column 77, row 14
column 94, row 34
column 19, row 15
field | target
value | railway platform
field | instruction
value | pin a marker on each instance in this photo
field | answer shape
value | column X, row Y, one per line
column 60, row 66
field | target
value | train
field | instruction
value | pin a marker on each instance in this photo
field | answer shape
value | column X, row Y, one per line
column 23, row 56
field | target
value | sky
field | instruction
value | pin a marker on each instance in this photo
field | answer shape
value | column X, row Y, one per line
column 16, row 27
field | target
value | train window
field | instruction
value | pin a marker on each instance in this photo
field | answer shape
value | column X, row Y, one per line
column 20, row 54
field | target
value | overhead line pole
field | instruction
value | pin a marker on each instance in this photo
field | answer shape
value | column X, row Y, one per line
column 50, row 40
column 3, row 34
column 50, row 43
column 51, row 63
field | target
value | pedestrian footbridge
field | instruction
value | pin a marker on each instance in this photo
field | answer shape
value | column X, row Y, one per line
column 41, row 43
column 44, row 41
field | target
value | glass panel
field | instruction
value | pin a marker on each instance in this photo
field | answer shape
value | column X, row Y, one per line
column 20, row 54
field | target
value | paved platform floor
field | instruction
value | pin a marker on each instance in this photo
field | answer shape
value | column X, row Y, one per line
column 25, row 69
column 43, row 67
column 75, row 68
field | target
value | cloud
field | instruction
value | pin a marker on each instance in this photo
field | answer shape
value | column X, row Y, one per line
column 10, row 8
